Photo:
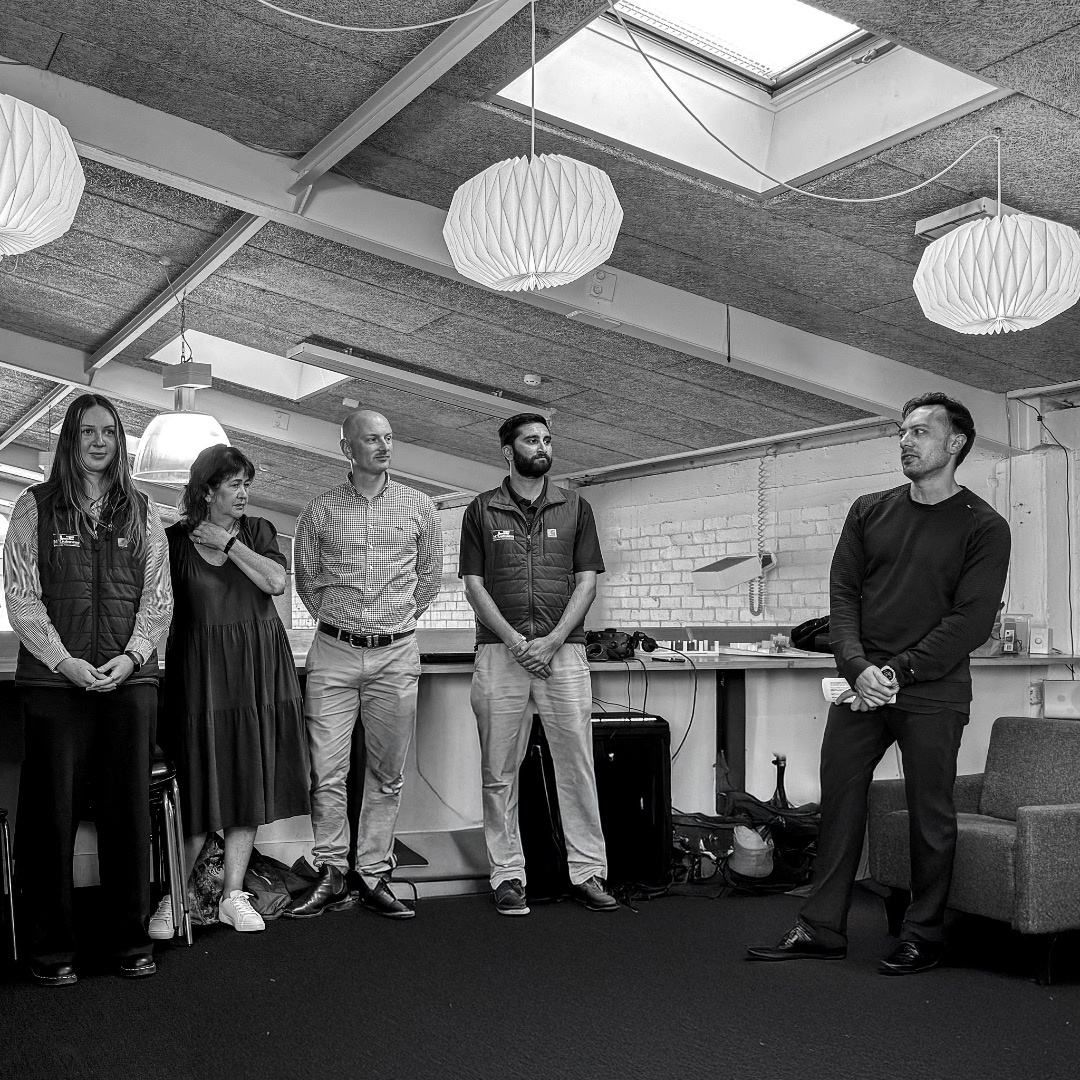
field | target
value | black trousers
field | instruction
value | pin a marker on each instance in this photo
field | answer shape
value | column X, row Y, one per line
column 854, row 743
column 87, row 756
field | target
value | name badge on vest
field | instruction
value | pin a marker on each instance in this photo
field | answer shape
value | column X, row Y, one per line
column 66, row 540
column 553, row 534
column 502, row 534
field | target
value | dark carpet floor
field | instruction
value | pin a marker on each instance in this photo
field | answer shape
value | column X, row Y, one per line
column 460, row 992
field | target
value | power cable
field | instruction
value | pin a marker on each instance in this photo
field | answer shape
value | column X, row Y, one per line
column 1068, row 526
column 376, row 29
column 774, row 179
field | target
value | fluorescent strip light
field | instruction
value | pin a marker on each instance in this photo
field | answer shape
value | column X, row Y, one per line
column 422, row 386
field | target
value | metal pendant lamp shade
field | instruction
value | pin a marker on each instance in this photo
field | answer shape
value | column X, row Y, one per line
column 171, row 442
column 532, row 223
column 998, row 274
column 41, row 178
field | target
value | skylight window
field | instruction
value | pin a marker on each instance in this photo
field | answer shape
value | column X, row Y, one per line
column 246, row 366
column 764, row 39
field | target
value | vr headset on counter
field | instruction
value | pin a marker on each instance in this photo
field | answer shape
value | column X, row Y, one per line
column 612, row 644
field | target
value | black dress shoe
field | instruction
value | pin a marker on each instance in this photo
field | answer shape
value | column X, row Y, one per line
column 797, row 944
column 911, row 957
column 329, row 893
column 136, row 967
column 382, row 901
column 60, row 974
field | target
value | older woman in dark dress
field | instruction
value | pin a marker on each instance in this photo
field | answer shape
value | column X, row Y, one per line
column 234, row 713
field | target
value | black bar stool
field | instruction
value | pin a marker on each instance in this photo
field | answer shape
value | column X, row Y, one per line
column 167, row 838
column 7, row 874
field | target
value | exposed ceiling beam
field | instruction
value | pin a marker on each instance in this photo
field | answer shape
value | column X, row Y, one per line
column 234, row 238
column 31, row 417
column 321, row 437
column 429, row 65
column 195, row 159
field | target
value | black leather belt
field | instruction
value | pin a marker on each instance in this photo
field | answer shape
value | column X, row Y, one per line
column 363, row 641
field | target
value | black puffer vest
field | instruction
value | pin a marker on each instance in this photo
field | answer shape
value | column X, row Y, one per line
column 530, row 575
column 91, row 588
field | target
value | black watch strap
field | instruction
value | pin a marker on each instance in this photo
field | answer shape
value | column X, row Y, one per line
column 135, row 658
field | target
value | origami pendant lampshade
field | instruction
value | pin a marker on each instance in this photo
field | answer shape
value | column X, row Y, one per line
column 41, row 179
column 999, row 274
column 532, row 223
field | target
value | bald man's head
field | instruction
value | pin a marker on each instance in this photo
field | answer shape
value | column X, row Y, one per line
column 367, row 440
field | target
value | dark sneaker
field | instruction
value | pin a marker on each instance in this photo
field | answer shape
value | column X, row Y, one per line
column 510, row 898
column 593, row 895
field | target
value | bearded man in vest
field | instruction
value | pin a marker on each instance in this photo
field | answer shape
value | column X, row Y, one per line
column 530, row 558
column 86, row 577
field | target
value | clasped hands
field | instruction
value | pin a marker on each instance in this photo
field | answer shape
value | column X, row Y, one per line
column 872, row 689
column 107, row 677
column 535, row 656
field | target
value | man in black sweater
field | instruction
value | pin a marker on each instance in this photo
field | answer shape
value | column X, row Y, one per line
column 915, row 583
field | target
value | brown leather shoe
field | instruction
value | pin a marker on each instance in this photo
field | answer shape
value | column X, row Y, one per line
column 911, row 957
column 797, row 944
column 329, row 893
column 382, row 901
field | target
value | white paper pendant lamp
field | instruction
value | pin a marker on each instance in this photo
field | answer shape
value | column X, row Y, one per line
column 41, row 178
column 532, row 223
column 998, row 274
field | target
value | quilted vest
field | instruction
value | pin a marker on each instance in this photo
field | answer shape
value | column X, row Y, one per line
column 529, row 574
column 91, row 587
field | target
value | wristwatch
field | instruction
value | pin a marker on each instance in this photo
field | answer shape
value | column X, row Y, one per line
column 135, row 658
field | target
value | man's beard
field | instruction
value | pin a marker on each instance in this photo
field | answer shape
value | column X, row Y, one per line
column 531, row 467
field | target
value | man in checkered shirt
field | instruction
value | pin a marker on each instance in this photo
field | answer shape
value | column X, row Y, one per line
column 368, row 563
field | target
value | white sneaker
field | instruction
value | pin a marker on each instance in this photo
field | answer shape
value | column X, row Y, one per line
column 236, row 910
column 162, row 926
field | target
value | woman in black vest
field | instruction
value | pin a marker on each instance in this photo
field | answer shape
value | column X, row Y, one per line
column 86, row 577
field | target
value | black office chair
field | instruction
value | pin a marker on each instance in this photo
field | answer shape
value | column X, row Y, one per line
column 7, row 878
column 167, row 839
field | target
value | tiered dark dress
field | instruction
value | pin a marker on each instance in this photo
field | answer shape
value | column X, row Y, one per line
column 234, row 718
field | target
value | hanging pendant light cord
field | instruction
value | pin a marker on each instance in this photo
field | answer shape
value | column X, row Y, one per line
column 996, row 134
column 376, row 29
column 532, row 81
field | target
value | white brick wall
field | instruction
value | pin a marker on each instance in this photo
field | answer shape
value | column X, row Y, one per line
column 656, row 530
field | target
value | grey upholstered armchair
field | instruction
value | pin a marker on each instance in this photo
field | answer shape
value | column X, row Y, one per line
column 1018, row 846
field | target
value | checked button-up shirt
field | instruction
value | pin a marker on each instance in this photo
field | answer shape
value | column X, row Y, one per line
column 369, row 566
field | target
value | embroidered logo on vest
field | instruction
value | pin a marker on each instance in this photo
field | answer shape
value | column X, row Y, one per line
column 66, row 540
column 502, row 534
column 553, row 534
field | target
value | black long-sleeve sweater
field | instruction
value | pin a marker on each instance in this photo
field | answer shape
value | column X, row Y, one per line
column 916, row 587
